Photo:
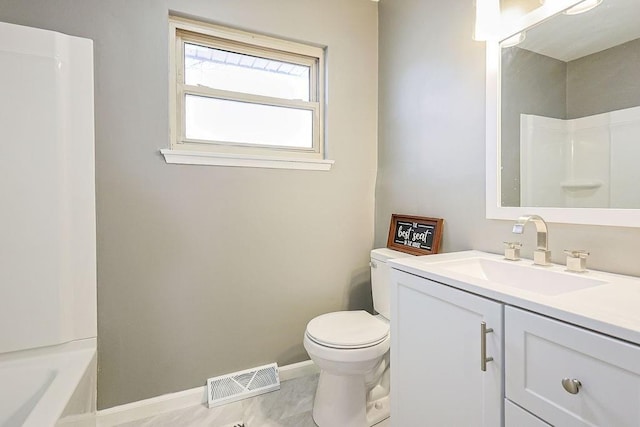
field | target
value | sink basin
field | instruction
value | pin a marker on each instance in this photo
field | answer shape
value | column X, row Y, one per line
column 522, row 276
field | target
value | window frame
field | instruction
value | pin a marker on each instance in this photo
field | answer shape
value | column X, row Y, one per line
column 181, row 31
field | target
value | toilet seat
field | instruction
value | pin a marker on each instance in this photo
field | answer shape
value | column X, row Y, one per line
column 347, row 330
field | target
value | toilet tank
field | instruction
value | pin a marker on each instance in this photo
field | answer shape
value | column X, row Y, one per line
column 381, row 278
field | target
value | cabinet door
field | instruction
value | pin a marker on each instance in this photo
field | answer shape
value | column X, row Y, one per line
column 515, row 416
column 436, row 376
column 543, row 356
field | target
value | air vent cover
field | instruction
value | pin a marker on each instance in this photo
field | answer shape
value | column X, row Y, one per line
column 241, row 385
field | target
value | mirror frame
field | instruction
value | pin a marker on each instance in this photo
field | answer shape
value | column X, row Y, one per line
column 494, row 210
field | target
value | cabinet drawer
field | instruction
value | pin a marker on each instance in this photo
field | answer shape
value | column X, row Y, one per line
column 515, row 416
column 541, row 352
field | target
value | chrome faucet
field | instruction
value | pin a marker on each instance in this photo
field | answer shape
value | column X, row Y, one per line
column 542, row 255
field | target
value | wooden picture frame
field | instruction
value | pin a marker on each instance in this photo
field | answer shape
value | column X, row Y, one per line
column 415, row 235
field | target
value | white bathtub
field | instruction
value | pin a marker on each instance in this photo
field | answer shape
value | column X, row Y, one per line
column 39, row 386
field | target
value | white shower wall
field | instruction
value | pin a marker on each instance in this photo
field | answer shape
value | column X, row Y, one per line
column 625, row 158
column 542, row 160
column 586, row 162
column 47, row 220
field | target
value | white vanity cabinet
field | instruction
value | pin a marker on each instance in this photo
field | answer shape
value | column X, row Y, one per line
column 541, row 352
column 569, row 355
column 436, row 355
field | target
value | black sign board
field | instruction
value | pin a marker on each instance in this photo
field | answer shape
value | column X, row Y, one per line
column 414, row 234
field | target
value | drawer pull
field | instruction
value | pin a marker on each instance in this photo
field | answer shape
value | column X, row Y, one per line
column 571, row 385
column 483, row 346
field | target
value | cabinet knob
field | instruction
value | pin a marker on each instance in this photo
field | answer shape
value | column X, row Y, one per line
column 571, row 385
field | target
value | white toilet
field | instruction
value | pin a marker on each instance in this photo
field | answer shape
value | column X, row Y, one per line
column 352, row 350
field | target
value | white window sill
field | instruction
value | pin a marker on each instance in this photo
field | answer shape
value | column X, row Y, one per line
column 187, row 157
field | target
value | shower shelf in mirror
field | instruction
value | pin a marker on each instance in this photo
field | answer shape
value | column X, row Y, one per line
column 580, row 184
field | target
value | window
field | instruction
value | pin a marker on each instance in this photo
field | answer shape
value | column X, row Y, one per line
column 242, row 99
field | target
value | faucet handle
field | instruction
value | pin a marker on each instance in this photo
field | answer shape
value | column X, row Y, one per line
column 576, row 260
column 576, row 253
column 512, row 250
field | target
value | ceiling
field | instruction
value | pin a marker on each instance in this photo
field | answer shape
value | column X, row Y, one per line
column 568, row 37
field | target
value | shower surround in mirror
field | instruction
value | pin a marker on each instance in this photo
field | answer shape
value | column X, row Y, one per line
column 578, row 78
column 588, row 161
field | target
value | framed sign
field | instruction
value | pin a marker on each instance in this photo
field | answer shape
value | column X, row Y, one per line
column 415, row 234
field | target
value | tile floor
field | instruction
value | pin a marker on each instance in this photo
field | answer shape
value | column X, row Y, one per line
column 288, row 407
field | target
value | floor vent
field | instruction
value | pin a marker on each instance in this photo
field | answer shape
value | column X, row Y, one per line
column 241, row 385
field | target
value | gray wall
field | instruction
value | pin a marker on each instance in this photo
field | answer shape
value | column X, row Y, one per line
column 432, row 138
column 531, row 84
column 604, row 81
column 431, row 120
column 208, row 270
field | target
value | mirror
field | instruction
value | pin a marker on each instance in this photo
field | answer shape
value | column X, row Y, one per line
column 567, row 107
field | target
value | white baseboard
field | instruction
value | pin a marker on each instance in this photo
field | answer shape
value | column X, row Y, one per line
column 149, row 407
column 183, row 399
column 297, row 370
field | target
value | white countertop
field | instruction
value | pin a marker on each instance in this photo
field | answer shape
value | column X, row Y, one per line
column 612, row 308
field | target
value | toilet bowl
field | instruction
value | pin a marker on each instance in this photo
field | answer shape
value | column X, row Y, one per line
column 352, row 361
column 351, row 348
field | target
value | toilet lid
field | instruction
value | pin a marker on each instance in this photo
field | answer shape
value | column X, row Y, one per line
column 347, row 329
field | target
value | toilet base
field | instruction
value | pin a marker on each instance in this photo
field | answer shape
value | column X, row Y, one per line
column 378, row 411
column 341, row 401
